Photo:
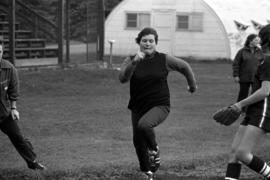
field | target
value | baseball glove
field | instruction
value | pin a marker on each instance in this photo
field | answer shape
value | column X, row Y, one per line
column 227, row 115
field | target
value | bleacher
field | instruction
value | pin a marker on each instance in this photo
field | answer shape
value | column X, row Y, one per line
column 26, row 46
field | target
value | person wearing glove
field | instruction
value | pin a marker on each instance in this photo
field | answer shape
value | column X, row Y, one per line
column 245, row 65
column 149, row 102
column 9, row 115
column 257, row 120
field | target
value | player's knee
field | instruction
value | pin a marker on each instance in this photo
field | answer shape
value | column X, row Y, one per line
column 242, row 155
column 143, row 127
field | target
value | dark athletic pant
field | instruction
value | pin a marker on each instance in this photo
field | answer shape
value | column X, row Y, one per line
column 23, row 146
column 143, row 132
column 244, row 90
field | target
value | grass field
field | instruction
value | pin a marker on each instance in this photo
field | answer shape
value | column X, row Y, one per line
column 80, row 127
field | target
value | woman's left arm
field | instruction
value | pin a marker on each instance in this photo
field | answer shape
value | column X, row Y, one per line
column 177, row 64
column 257, row 96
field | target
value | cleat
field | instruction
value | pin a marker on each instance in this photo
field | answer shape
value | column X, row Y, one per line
column 154, row 160
column 149, row 175
column 36, row 166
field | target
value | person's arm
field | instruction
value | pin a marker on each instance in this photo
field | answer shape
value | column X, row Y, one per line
column 13, row 93
column 14, row 111
column 263, row 91
column 126, row 71
column 236, row 65
column 257, row 96
column 128, row 67
column 181, row 66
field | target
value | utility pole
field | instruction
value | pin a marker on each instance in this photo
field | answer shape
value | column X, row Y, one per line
column 87, row 31
column 12, row 29
column 100, row 30
column 60, row 31
column 67, row 33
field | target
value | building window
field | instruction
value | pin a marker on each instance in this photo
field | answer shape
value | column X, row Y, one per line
column 138, row 20
column 190, row 22
column 182, row 22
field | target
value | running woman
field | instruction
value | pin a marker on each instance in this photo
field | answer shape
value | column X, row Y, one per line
column 149, row 101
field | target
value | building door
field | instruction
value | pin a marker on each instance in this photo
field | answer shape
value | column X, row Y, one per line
column 163, row 20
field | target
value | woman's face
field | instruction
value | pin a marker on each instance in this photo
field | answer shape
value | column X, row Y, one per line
column 148, row 44
column 255, row 42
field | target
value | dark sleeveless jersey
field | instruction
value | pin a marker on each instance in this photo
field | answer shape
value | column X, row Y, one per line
column 148, row 84
column 261, row 108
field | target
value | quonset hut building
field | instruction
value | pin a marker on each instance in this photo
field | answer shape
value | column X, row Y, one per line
column 203, row 29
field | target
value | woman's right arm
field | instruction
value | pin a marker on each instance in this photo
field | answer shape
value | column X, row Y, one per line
column 258, row 95
column 127, row 69
column 264, row 90
column 128, row 66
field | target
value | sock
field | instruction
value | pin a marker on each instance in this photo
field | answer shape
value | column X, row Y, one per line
column 259, row 166
column 233, row 171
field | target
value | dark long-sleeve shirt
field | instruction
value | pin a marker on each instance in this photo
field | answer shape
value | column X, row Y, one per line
column 9, row 87
column 172, row 64
column 245, row 64
column 148, row 80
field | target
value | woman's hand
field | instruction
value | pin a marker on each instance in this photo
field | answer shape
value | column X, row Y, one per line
column 192, row 89
column 138, row 57
column 140, row 54
column 15, row 114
